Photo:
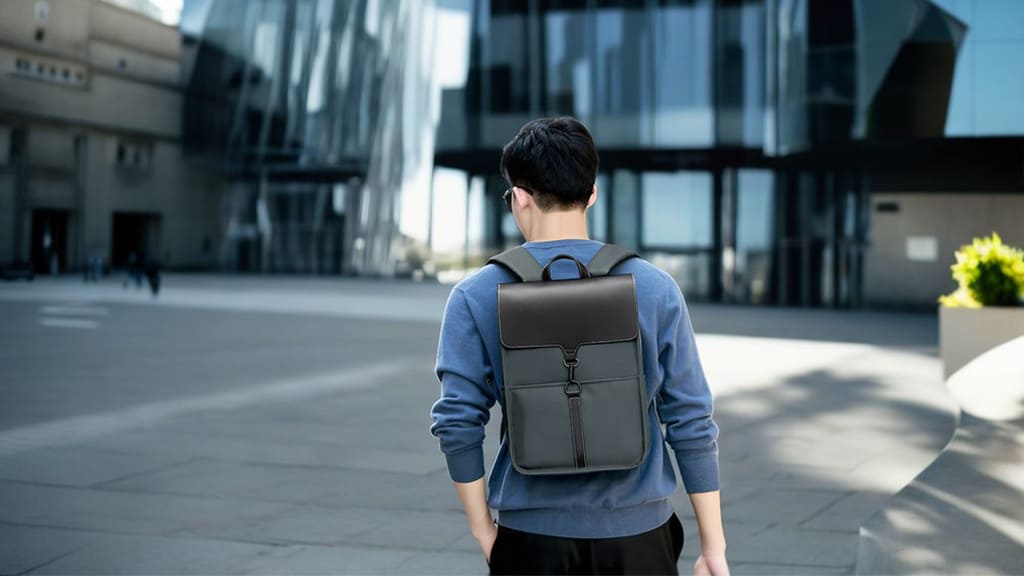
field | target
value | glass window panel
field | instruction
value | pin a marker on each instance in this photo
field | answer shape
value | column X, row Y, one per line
column 677, row 209
column 960, row 116
column 476, row 215
column 316, row 94
column 691, row 271
column 621, row 75
column 988, row 81
column 448, row 212
column 264, row 46
column 682, row 74
column 566, row 63
column 999, row 91
column 625, row 208
column 506, row 62
column 754, row 209
column 754, row 218
column 740, row 73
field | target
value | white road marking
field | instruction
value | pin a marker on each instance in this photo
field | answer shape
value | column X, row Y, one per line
column 68, row 310
column 412, row 307
column 78, row 429
column 69, row 323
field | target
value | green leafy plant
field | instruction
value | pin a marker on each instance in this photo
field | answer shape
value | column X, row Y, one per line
column 989, row 273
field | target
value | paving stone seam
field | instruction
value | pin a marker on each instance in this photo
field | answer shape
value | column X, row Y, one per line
column 50, row 561
column 179, row 534
column 826, row 507
column 847, row 567
column 311, row 504
column 163, row 468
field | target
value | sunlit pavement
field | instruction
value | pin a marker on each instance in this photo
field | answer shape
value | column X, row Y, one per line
column 239, row 425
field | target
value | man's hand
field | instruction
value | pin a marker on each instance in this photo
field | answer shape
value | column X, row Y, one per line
column 711, row 565
column 486, row 540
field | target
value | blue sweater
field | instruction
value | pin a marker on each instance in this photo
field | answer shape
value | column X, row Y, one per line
column 595, row 505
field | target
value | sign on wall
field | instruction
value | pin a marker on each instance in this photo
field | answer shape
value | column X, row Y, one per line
column 923, row 248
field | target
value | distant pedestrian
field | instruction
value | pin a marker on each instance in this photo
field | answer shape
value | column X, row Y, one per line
column 134, row 271
column 94, row 268
column 153, row 276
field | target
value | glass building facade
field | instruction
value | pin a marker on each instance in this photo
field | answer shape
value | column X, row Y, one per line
column 318, row 112
column 744, row 143
column 741, row 140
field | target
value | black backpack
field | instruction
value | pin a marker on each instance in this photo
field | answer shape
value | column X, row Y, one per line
column 575, row 400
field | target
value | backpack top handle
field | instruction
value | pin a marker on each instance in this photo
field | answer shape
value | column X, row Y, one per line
column 546, row 273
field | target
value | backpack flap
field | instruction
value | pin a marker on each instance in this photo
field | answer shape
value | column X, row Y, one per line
column 567, row 313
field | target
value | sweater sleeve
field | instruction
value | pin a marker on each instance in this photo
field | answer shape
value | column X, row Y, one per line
column 685, row 402
column 466, row 398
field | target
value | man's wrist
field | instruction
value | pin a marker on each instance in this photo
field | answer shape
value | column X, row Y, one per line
column 481, row 526
column 712, row 544
column 713, row 549
column 482, row 530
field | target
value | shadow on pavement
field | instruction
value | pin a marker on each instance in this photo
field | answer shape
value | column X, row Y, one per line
column 901, row 329
column 806, row 462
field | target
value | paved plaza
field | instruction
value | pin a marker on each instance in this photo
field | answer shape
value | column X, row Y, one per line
column 241, row 425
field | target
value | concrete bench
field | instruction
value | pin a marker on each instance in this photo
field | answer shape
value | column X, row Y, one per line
column 964, row 514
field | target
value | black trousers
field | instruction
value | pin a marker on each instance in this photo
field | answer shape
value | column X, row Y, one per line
column 653, row 552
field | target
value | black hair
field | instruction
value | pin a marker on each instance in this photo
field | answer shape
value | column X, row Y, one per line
column 553, row 158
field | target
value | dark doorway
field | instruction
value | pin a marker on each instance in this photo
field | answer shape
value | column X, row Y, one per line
column 135, row 233
column 49, row 241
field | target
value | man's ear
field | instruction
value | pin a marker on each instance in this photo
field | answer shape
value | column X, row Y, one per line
column 523, row 198
column 593, row 197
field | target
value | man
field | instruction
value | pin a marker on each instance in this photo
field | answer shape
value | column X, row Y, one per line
column 618, row 522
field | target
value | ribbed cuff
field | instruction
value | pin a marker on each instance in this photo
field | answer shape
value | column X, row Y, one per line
column 467, row 465
column 699, row 470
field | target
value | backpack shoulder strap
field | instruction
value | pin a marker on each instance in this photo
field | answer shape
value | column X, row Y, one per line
column 520, row 262
column 607, row 258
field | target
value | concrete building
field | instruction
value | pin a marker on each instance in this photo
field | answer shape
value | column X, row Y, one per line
column 91, row 161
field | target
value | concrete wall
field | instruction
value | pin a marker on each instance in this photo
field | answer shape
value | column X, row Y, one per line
column 71, row 25
column 109, row 102
column 187, row 201
column 66, row 29
column 940, row 221
column 131, row 65
column 126, row 28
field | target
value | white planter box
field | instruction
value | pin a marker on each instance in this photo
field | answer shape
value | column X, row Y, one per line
column 966, row 333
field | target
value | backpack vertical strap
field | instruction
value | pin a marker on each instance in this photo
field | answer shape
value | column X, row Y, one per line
column 607, row 258
column 579, row 450
column 520, row 262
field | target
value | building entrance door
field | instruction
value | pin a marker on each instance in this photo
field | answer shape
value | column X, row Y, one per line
column 49, row 241
column 135, row 234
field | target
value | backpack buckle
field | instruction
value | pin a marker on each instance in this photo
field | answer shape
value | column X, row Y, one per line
column 573, row 388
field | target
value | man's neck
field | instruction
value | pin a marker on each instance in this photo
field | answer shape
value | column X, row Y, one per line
column 567, row 225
